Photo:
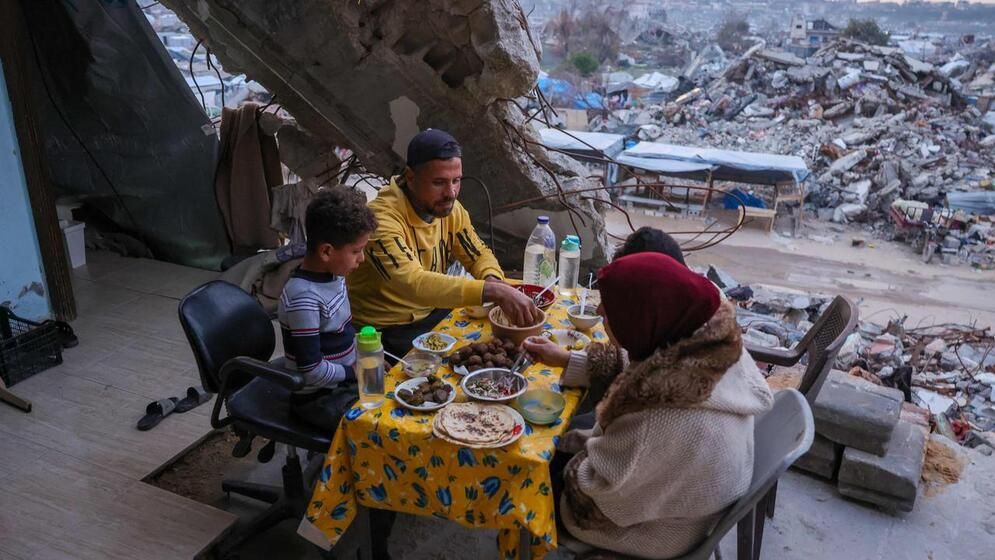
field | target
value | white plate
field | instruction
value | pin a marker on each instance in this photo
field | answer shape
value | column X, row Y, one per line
column 414, row 382
column 419, row 343
column 567, row 338
column 519, row 430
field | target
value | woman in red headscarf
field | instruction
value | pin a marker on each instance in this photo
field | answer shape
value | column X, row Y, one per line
column 673, row 442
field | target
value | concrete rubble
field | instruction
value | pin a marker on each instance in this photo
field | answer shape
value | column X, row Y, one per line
column 368, row 75
column 890, row 388
column 874, row 124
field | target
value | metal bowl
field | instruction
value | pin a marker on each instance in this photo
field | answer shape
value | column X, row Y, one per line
column 520, row 384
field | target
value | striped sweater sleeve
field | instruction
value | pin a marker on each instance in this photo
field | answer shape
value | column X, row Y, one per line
column 303, row 318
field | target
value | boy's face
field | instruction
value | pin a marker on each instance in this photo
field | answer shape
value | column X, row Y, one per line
column 345, row 259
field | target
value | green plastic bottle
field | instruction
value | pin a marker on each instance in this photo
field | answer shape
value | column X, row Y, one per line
column 370, row 368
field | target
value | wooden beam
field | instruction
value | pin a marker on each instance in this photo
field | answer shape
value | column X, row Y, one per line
column 18, row 65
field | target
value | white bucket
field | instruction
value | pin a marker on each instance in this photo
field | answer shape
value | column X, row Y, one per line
column 75, row 243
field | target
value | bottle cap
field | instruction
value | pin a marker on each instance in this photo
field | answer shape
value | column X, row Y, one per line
column 570, row 243
column 543, row 220
column 368, row 339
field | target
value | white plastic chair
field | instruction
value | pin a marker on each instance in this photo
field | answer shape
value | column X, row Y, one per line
column 780, row 436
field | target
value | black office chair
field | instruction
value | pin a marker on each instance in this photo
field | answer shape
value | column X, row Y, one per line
column 232, row 337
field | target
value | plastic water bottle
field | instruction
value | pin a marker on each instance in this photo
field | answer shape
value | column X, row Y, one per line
column 540, row 255
column 370, row 368
column 569, row 264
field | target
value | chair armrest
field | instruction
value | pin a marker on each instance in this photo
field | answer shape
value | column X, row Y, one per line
column 775, row 356
column 256, row 368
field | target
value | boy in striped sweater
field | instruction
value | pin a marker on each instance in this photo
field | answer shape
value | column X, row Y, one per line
column 315, row 317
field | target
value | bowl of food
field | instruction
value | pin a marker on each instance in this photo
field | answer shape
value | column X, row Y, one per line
column 434, row 343
column 532, row 290
column 494, row 385
column 540, row 406
column 584, row 318
column 479, row 311
column 497, row 353
column 421, row 364
column 503, row 327
column 570, row 340
column 424, row 393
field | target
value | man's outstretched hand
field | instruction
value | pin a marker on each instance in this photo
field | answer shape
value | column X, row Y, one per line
column 518, row 307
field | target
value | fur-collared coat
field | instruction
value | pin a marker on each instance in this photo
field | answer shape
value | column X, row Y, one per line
column 673, row 445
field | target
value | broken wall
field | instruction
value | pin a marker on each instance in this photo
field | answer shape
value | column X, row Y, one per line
column 368, row 75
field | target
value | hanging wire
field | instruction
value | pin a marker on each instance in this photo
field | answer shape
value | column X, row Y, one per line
column 542, row 113
column 72, row 130
column 217, row 72
column 490, row 208
column 193, row 77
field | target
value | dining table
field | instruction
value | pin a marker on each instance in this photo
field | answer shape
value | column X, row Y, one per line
column 388, row 458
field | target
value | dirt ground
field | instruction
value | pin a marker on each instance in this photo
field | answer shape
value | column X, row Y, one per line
column 887, row 279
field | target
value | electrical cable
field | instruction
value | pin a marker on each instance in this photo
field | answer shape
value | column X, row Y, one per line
column 193, row 77
column 490, row 208
column 217, row 72
column 65, row 121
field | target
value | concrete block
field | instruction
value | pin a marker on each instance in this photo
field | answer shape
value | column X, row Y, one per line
column 856, row 413
column 822, row 459
column 890, row 481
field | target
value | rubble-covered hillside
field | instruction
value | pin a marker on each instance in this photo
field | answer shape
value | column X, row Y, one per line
column 874, row 124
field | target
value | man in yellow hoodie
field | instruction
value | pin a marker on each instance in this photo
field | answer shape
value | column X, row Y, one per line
column 402, row 286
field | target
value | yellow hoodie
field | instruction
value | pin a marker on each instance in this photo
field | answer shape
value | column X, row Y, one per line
column 403, row 278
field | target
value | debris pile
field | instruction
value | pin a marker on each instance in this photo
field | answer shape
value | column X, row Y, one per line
column 892, row 385
column 874, row 124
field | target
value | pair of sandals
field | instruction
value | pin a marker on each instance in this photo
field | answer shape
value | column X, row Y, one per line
column 157, row 410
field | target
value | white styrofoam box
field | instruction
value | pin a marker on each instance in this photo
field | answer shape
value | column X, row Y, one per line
column 75, row 243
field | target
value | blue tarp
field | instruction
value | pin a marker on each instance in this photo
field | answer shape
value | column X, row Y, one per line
column 725, row 165
column 982, row 203
column 565, row 94
column 589, row 100
column 551, row 87
column 592, row 144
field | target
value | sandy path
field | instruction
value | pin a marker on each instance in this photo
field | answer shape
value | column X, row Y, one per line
column 886, row 278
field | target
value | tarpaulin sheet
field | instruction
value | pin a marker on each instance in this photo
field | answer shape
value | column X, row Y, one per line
column 583, row 143
column 725, row 165
column 117, row 90
column 982, row 203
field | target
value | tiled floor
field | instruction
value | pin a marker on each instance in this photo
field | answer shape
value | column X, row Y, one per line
column 71, row 470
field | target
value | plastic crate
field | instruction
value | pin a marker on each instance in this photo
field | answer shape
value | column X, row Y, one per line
column 26, row 347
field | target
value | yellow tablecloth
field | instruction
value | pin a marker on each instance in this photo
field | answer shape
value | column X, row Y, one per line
column 387, row 458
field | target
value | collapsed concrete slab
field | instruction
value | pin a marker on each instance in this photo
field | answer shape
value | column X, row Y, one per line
column 891, row 481
column 857, row 413
column 823, row 458
column 368, row 75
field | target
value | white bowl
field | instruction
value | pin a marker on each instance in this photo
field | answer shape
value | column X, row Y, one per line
column 414, row 382
column 521, row 384
column 479, row 311
column 419, row 343
column 584, row 319
column 568, row 339
column 416, row 357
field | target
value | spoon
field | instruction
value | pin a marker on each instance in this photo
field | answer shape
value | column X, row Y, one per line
column 538, row 297
column 389, row 355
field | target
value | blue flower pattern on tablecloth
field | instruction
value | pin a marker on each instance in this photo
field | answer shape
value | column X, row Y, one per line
column 388, row 458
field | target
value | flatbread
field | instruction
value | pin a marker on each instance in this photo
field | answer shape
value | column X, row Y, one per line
column 476, row 423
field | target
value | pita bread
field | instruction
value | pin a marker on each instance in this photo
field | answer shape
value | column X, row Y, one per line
column 475, row 423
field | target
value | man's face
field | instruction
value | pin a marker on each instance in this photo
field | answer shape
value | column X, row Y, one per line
column 345, row 259
column 435, row 185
